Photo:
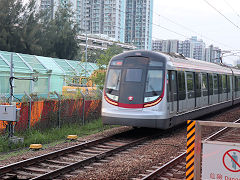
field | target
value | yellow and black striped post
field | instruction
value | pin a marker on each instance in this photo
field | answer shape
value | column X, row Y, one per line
column 190, row 150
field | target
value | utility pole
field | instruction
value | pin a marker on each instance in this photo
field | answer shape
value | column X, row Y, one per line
column 86, row 55
column 11, row 77
column 10, row 123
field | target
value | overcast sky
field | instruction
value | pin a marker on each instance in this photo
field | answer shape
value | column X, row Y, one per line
column 202, row 20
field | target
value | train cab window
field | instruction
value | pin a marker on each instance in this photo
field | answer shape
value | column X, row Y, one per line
column 154, row 82
column 181, row 85
column 215, row 83
column 224, row 83
column 220, row 88
column 204, row 84
column 133, row 75
column 210, row 83
column 198, row 84
column 113, row 80
column 190, row 85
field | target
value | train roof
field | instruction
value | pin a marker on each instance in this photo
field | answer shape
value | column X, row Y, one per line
column 199, row 65
column 177, row 61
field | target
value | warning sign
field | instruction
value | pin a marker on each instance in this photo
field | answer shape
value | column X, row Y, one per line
column 231, row 160
column 221, row 162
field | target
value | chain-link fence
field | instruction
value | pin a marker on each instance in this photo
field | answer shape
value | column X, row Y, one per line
column 40, row 114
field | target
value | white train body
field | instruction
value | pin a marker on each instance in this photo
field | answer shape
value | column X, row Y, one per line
column 150, row 89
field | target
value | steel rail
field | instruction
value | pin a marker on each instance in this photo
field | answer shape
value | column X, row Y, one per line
column 174, row 161
column 10, row 169
column 166, row 166
column 87, row 161
column 20, row 164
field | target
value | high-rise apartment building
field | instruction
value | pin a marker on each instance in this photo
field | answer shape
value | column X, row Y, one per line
column 138, row 23
column 192, row 48
column 94, row 16
column 198, row 48
column 186, row 48
column 212, row 54
column 165, row 45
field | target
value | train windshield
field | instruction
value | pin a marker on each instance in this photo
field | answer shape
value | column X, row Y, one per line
column 134, row 75
column 113, row 79
column 154, row 83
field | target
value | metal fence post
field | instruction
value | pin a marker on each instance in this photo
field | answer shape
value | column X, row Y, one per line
column 30, row 109
column 59, row 109
column 83, row 110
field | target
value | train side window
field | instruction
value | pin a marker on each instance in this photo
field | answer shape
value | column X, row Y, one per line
column 220, row 87
column 172, row 88
column 181, row 86
column 215, row 83
column 228, row 83
column 236, row 83
column 210, row 82
column 204, row 84
column 198, row 84
column 224, row 83
column 190, row 87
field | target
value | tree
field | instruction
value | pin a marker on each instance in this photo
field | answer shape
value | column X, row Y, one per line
column 103, row 61
column 10, row 16
column 108, row 54
column 60, row 35
column 31, row 30
column 93, row 55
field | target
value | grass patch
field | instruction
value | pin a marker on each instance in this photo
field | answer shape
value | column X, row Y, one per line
column 53, row 135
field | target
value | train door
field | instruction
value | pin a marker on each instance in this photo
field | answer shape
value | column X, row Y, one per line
column 181, row 91
column 198, row 92
column 215, row 89
column 132, row 83
column 210, row 89
column 172, row 91
column 190, row 91
column 204, row 100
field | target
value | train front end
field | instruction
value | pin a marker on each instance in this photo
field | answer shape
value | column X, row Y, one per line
column 134, row 91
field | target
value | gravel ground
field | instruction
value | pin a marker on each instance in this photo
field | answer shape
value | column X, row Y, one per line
column 135, row 161
column 154, row 153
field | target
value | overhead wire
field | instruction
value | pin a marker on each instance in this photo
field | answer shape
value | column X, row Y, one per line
column 232, row 8
column 222, row 14
column 189, row 29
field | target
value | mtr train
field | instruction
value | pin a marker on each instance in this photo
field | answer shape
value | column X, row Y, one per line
column 156, row 90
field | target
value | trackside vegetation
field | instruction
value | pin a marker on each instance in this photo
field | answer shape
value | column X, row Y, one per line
column 48, row 136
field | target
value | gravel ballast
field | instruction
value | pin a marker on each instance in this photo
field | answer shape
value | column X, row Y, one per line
column 129, row 164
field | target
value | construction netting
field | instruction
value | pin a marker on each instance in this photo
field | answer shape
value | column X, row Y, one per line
column 55, row 113
column 52, row 73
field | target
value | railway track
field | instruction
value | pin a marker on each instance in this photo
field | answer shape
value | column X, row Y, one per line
column 58, row 163
column 176, row 168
